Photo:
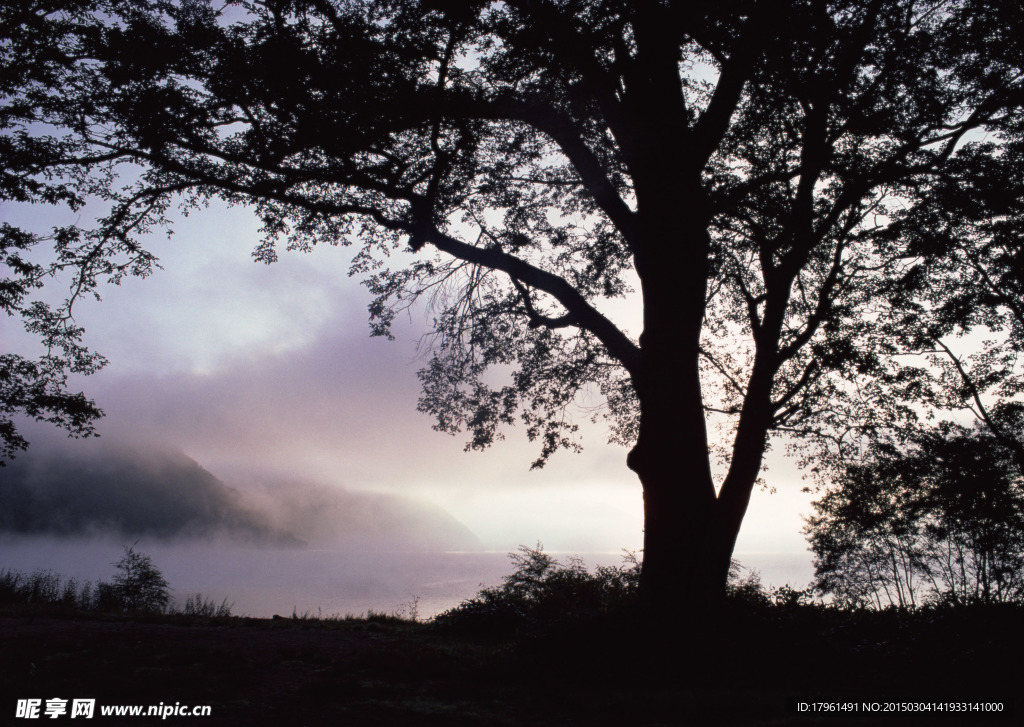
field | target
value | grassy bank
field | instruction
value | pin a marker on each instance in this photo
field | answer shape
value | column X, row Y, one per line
column 749, row 668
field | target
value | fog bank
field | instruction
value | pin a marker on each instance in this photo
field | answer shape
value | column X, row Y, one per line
column 136, row 490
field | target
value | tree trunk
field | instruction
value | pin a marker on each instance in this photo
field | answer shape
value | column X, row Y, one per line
column 671, row 453
column 690, row 531
column 688, row 540
column 671, row 460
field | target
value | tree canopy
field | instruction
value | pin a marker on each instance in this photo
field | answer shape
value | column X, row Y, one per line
column 760, row 172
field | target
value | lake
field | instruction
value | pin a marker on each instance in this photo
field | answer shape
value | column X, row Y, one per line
column 264, row 582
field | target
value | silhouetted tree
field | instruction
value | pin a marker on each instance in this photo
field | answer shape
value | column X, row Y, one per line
column 138, row 586
column 743, row 162
column 940, row 520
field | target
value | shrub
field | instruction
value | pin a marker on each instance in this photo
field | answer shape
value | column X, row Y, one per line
column 745, row 586
column 138, row 587
column 540, row 590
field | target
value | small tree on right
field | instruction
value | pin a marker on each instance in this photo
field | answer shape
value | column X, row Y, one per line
column 939, row 519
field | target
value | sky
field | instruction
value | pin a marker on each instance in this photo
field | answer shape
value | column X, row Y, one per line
column 267, row 374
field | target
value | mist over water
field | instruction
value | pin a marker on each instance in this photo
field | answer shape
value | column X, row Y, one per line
column 265, row 581
column 262, row 582
column 273, row 543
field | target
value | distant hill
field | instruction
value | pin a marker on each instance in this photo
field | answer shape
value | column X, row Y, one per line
column 144, row 490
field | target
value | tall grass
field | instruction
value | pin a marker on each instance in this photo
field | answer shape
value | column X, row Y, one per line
column 198, row 605
column 56, row 593
column 46, row 587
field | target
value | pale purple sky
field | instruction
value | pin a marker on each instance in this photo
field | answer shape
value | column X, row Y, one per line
column 254, row 369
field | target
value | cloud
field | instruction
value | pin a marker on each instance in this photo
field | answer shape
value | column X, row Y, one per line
column 342, row 401
column 340, row 410
column 211, row 301
column 254, row 369
column 135, row 490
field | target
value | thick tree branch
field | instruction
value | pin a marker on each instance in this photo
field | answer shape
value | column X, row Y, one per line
column 733, row 77
column 584, row 315
column 591, row 171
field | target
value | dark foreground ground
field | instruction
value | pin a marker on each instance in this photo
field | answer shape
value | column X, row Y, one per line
column 752, row 671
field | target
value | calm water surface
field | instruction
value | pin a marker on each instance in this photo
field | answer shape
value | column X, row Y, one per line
column 264, row 582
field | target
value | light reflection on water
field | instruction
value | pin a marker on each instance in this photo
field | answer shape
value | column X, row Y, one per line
column 264, row 582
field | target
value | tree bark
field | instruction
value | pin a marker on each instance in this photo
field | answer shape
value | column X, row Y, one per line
column 690, row 532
